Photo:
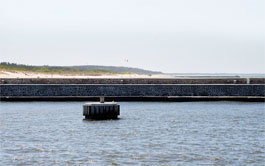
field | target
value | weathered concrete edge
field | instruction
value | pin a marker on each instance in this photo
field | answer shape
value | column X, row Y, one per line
column 132, row 80
column 129, row 84
column 134, row 98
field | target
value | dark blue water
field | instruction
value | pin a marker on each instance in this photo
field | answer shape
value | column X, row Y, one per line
column 188, row 133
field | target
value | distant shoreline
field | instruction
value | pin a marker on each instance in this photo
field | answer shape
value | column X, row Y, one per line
column 20, row 74
column 23, row 74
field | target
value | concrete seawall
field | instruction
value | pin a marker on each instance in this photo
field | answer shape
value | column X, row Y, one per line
column 132, row 81
column 148, row 92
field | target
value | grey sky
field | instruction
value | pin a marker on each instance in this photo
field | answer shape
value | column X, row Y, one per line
column 224, row 36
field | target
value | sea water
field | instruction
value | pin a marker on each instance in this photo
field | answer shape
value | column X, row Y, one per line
column 147, row 133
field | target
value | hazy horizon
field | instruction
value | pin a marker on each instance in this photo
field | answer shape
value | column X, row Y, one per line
column 193, row 36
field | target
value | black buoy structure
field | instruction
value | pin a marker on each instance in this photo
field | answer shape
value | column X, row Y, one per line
column 101, row 110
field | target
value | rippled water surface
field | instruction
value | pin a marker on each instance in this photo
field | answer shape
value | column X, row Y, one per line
column 188, row 133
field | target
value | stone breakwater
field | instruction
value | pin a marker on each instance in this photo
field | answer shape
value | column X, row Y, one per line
column 136, row 90
column 132, row 81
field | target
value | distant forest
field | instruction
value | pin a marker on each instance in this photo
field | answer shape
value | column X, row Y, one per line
column 86, row 69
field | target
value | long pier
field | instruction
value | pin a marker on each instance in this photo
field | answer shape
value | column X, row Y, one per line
column 237, row 89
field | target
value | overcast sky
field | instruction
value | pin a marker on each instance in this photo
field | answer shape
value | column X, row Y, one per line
column 177, row 36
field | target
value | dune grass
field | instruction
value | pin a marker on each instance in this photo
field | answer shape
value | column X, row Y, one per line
column 11, row 67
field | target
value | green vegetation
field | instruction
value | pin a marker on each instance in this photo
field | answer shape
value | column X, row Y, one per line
column 5, row 66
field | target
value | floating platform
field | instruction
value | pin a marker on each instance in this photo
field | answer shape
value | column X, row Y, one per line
column 99, row 111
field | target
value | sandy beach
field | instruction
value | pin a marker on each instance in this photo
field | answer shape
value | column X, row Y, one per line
column 16, row 74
